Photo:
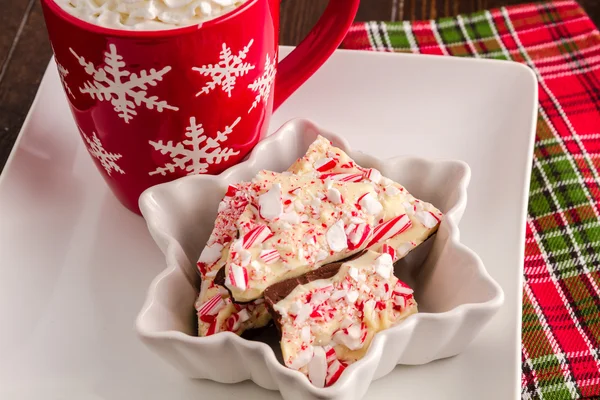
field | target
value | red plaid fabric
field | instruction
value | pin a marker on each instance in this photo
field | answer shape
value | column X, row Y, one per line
column 561, row 295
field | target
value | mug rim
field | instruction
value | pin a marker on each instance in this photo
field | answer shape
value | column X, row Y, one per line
column 143, row 34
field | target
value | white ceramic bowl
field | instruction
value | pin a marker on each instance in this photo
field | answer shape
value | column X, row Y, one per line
column 456, row 296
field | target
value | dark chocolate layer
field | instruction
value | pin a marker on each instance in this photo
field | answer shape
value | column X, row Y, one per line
column 220, row 276
column 278, row 291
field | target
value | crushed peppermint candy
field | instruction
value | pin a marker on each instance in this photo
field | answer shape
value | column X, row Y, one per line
column 357, row 235
column 321, row 255
column 269, row 256
column 256, row 236
column 427, row 218
column 336, row 236
column 408, row 208
column 334, row 371
column 317, row 367
column 352, row 296
column 269, row 204
column 212, row 306
column 343, row 177
column 405, row 248
column 324, row 319
column 325, row 164
column 384, row 265
column 211, row 253
column 390, row 228
column 350, row 337
column 291, row 217
column 370, row 204
column 302, row 358
column 387, row 249
column 391, row 190
column 244, row 315
column 334, row 196
column 373, row 175
column 238, row 277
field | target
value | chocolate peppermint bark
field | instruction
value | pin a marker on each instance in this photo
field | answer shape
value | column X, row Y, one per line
column 328, row 317
column 325, row 208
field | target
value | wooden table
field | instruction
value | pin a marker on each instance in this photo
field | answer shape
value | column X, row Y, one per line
column 25, row 50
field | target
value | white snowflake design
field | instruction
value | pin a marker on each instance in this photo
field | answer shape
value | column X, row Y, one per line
column 226, row 72
column 63, row 72
column 125, row 90
column 195, row 154
column 107, row 160
column 264, row 83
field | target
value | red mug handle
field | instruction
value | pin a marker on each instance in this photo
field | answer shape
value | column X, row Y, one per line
column 315, row 49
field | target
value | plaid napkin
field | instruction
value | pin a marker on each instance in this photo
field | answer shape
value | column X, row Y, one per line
column 561, row 295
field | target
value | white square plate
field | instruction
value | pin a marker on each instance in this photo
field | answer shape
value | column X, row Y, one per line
column 76, row 265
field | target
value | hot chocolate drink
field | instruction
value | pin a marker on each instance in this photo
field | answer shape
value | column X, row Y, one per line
column 147, row 15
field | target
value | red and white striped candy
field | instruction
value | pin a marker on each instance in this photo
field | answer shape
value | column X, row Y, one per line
column 325, row 164
column 233, row 323
column 238, row 276
column 400, row 301
column 202, row 268
column 387, row 249
column 402, row 289
column 343, row 177
column 358, row 235
column 334, row 371
column 390, row 228
column 350, row 337
column 212, row 306
column 402, row 292
column 212, row 328
column 330, row 354
column 373, row 175
column 207, row 319
column 231, row 191
column 269, row 256
column 427, row 218
column 256, row 236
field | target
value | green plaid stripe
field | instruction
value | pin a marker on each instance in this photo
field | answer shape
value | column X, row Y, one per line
column 561, row 307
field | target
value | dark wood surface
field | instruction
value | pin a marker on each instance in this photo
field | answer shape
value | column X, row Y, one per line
column 25, row 50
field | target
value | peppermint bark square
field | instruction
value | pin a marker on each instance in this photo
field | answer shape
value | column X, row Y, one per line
column 404, row 222
column 215, row 309
column 328, row 317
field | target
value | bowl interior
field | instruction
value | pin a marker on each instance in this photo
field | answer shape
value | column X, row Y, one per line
column 443, row 275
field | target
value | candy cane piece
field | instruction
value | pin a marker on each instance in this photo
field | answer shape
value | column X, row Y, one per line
column 325, row 164
column 256, row 236
column 390, row 228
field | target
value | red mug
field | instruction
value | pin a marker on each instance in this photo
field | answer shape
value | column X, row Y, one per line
column 153, row 106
